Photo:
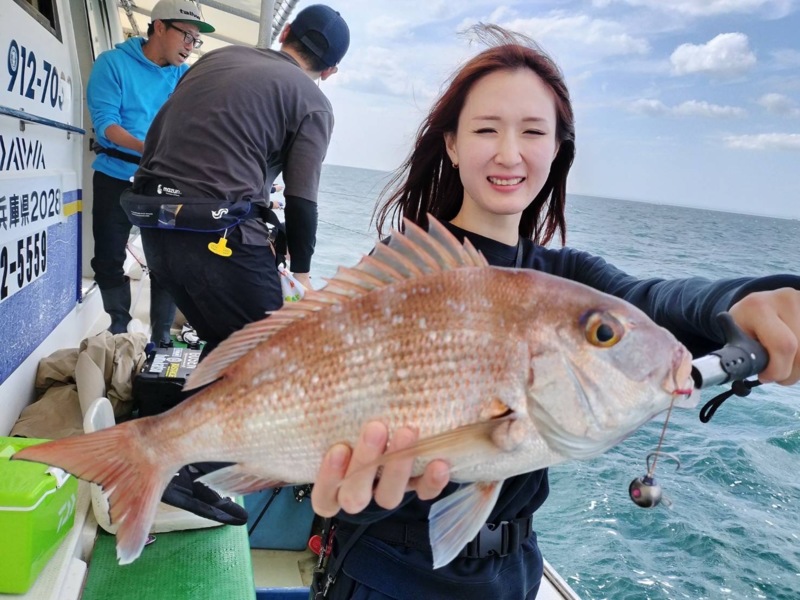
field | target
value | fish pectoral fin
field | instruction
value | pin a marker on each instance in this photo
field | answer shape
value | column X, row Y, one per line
column 236, row 480
column 467, row 439
column 455, row 520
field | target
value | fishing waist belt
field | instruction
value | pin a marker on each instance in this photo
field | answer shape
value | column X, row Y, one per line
column 494, row 539
column 114, row 153
column 186, row 213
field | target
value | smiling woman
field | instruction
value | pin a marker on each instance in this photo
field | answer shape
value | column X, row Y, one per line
column 491, row 159
column 510, row 146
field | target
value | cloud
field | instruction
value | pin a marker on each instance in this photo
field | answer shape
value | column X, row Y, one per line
column 386, row 27
column 389, row 72
column 764, row 141
column 604, row 37
column 786, row 58
column 778, row 104
column 690, row 108
column 649, row 107
column 727, row 55
column 708, row 8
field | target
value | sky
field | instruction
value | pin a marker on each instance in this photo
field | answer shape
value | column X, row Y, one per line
column 683, row 102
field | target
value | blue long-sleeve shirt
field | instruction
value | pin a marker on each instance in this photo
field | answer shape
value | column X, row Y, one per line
column 127, row 89
column 687, row 307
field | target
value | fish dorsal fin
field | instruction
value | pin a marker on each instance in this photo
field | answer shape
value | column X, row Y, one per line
column 414, row 253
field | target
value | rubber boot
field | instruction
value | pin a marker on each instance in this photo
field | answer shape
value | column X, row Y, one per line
column 162, row 315
column 117, row 303
column 185, row 492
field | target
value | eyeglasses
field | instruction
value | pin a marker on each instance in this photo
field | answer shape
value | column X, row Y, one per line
column 188, row 38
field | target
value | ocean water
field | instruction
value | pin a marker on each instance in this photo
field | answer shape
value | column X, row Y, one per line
column 733, row 528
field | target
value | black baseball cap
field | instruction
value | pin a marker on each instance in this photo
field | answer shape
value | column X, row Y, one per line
column 330, row 25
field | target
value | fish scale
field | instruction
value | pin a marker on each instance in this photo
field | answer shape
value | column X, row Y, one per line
column 501, row 371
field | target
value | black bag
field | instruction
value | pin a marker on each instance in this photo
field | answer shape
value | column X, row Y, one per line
column 185, row 213
column 157, row 387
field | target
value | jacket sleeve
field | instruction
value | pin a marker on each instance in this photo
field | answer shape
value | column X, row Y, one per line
column 687, row 307
column 301, row 231
column 104, row 95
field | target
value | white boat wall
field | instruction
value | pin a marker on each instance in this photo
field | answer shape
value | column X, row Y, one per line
column 43, row 154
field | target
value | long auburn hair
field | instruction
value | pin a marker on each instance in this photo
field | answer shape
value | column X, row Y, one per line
column 427, row 183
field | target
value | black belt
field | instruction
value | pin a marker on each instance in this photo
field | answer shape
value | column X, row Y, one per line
column 494, row 539
column 114, row 153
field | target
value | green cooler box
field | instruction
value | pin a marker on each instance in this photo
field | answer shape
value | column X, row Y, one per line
column 37, row 510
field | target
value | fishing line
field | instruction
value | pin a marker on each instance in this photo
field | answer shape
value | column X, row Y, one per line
column 345, row 228
column 650, row 472
column 359, row 196
column 645, row 491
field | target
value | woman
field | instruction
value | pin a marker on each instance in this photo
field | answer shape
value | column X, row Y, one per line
column 491, row 162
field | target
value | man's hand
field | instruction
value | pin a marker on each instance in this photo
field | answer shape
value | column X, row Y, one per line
column 304, row 279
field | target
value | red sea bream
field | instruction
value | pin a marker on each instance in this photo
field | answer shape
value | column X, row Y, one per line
column 501, row 371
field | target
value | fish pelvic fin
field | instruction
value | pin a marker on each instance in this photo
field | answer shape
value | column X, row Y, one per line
column 413, row 253
column 455, row 520
column 112, row 459
column 237, row 479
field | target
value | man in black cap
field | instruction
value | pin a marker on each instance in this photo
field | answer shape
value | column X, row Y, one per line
column 237, row 119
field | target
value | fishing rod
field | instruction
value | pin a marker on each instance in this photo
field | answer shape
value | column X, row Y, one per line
column 741, row 357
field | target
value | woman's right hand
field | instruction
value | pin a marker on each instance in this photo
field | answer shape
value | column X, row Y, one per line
column 343, row 482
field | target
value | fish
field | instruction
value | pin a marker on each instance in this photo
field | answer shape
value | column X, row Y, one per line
column 501, row 371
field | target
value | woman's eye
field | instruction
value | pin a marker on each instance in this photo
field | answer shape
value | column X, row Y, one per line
column 485, row 130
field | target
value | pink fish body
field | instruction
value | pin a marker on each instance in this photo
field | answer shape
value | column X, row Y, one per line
column 501, row 371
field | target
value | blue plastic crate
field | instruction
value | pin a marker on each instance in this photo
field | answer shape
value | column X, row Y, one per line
column 286, row 524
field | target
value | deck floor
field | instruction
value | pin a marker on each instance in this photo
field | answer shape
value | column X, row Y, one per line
column 282, row 568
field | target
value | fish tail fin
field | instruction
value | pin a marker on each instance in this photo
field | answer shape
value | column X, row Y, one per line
column 133, row 478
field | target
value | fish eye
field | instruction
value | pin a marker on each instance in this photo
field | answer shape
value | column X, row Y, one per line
column 603, row 330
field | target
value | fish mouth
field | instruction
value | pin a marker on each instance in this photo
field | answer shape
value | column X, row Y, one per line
column 678, row 381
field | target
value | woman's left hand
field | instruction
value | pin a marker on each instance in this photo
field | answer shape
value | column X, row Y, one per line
column 773, row 318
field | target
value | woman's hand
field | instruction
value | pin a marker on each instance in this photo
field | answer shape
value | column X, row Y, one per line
column 332, row 492
column 773, row 318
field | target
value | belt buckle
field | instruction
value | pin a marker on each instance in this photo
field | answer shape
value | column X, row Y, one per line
column 499, row 539
column 493, row 540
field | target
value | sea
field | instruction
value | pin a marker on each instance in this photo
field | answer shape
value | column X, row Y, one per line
column 732, row 526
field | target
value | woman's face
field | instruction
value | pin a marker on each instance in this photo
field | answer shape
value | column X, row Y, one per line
column 504, row 144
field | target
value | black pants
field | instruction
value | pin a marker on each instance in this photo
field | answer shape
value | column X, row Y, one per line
column 111, row 230
column 218, row 295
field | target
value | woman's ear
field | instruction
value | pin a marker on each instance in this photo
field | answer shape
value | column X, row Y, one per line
column 450, row 146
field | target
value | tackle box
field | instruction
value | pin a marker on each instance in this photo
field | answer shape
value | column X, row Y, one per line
column 37, row 510
column 157, row 387
column 282, row 518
